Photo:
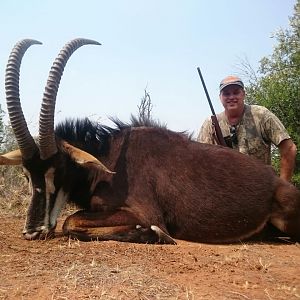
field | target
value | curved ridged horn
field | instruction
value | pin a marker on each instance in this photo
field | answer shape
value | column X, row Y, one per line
column 25, row 140
column 47, row 141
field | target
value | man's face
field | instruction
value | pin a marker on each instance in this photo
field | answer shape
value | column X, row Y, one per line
column 232, row 97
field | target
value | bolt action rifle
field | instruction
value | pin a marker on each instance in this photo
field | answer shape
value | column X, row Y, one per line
column 218, row 133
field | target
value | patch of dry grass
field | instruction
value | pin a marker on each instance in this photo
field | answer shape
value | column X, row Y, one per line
column 14, row 191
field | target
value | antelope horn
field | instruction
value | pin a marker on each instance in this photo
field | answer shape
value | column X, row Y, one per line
column 25, row 141
column 47, row 142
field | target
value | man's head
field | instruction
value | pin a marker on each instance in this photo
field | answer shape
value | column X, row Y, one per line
column 232, row 94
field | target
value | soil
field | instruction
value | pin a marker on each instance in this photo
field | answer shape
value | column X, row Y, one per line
column 61, row 268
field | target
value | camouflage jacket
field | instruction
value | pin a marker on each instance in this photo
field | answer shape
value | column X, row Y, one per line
column 257, row 130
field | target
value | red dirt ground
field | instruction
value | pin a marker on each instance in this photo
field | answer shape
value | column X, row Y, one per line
column 66, row 269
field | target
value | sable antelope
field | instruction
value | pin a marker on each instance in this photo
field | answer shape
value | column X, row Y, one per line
column 139, row 183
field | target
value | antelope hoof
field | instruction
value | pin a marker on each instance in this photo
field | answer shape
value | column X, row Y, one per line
column 163, row 238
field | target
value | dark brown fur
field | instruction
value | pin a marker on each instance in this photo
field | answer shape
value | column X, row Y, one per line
column 191, row 191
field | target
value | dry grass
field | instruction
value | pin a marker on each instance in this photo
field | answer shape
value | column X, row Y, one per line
column 14, row 191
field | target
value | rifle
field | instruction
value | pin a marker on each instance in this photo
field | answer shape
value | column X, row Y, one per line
column 218, row 133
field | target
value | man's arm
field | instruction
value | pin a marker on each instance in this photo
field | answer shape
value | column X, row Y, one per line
column 278, row 135
column 288, row 152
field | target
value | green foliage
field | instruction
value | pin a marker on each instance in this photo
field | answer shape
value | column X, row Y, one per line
column 276, row 86
column 7, row 138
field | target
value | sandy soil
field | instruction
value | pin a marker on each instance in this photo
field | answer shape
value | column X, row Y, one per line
column 67, row 269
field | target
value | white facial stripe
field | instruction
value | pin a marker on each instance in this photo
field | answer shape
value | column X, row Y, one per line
column 50, row 189
column 59, row 204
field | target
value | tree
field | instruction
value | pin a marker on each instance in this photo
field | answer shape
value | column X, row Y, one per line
column 2, row 133
column 7, row 138
column 276, row 84
column 145, row 116
column 145, row 107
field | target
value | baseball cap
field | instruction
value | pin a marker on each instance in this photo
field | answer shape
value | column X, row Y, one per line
column 231, row 80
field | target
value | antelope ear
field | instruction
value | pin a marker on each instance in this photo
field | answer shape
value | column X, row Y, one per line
column 11, row 158
column 83, row 157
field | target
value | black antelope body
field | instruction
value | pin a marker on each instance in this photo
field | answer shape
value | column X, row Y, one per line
column 139, row 183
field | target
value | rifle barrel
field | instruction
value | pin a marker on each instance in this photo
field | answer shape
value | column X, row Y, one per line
column 218, row 132
column 206, row 92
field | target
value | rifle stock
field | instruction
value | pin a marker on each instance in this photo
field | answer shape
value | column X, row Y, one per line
column 218, row 132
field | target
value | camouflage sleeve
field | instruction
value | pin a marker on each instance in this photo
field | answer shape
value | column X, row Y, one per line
column 274, row 130
column 206, row 135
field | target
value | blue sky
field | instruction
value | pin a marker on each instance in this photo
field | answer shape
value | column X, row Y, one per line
column 155, row 44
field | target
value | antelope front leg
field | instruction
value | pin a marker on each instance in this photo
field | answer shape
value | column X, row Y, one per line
column 118, row 226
